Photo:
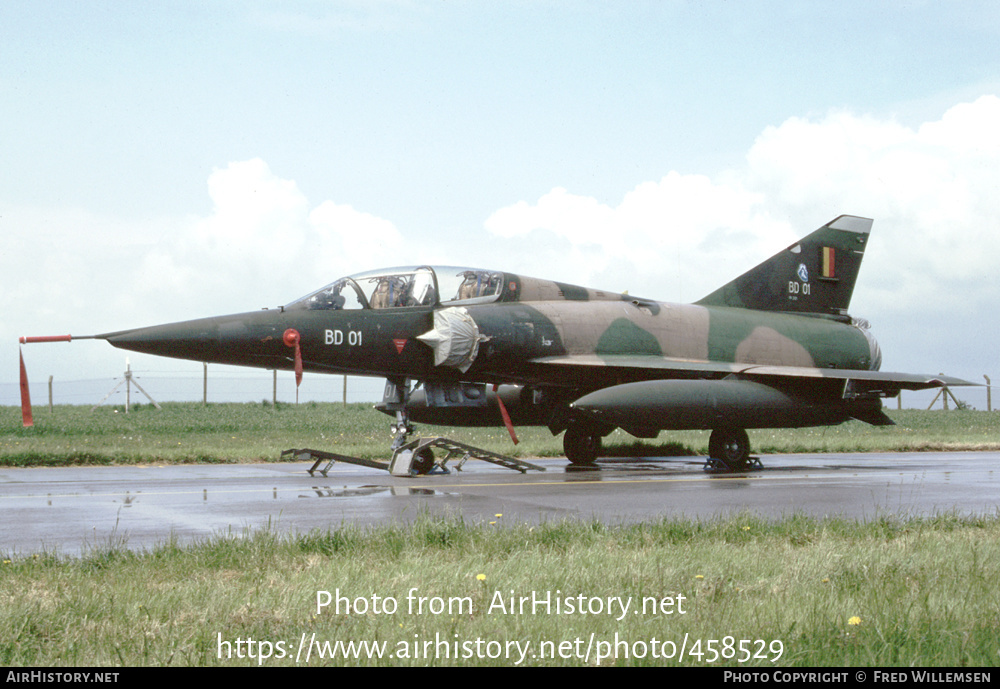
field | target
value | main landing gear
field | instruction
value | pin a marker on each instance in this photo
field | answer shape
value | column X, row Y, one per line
column 581, row 445
column 728, row 449
column 729, row 452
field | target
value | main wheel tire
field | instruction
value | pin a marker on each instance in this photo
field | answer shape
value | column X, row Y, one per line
column 730, row 446
column 581, row 446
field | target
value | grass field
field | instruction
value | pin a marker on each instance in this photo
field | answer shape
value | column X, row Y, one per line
column 189, row 432
column 739, row 592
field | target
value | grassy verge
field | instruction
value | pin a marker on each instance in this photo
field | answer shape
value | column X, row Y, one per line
column 800, row 591
column 186, row 432
column 755, row 593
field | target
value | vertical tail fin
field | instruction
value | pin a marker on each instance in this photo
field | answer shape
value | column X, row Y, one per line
column 814, row 275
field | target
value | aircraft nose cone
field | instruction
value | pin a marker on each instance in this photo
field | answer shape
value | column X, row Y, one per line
column 229, row 340
column 191, row 339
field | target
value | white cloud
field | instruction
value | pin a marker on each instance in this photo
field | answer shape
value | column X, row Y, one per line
column 933, row 192
column 263, row 243
column 348, row 238
column 656, row 228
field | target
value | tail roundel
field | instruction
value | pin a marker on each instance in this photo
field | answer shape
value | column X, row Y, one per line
column 814, row 275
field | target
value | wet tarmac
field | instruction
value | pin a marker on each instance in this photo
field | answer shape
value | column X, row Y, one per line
column 72, row 510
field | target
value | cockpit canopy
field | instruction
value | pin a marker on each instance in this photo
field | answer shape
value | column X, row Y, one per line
column 406, row 287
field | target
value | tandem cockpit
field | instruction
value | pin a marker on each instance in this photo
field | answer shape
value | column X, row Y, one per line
column 388, row 288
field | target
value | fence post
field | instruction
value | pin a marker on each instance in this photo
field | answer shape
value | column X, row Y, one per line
column 204, row 385
column 989, row 400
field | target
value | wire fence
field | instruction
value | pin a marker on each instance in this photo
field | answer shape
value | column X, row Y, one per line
column 164, row 387
column 187, row 388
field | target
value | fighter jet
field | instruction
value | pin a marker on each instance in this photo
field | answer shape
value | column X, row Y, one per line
column 773, row 348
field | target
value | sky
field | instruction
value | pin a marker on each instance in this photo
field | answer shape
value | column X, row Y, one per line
column 162, row 161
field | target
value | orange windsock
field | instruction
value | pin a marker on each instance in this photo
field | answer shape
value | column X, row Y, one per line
column 26, row 418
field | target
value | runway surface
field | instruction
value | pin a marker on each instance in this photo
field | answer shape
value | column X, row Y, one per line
column 72, row 510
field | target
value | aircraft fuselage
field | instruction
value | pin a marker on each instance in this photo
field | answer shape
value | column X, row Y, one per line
column 772, row 348
column 517, row 341
column 775, row 347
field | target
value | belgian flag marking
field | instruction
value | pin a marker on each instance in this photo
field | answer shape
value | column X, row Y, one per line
column 829, row 262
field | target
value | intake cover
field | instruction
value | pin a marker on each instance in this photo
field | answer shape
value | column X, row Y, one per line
column 454, row 339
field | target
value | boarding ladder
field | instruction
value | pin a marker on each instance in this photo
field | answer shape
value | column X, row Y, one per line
column 414, row 458
column 319, row 456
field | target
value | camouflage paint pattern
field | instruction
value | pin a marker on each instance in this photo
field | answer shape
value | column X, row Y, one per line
column 779, row 335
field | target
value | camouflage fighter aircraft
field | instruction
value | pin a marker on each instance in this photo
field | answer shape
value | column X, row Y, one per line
column 774, row 348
